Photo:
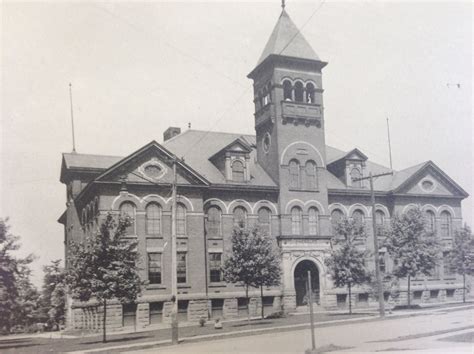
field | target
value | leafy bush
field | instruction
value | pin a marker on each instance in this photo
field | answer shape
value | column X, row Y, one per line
column 278, row 314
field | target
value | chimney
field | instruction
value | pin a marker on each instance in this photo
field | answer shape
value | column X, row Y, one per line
column 171, row 132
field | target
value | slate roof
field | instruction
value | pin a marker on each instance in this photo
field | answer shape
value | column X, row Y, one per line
column 285, row 32
column 196, row 147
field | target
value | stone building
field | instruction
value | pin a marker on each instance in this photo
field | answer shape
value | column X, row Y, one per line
column 285, row 178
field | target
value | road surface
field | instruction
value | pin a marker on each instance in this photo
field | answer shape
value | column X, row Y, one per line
column 436, row 332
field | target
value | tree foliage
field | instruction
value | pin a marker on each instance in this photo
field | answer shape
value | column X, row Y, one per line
column 346, row 263
column 413, row 248
column 53, row 294
column 461, row 256
column 254, row 261
column 104, row 266
column 17, row 294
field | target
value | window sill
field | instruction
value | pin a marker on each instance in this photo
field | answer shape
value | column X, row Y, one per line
column 217, row 285
column 155, row 287
column 218, row 238
column 154, row 236
column 302, row 190
column 184, row 286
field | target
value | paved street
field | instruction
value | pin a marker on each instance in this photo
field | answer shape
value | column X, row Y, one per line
column 436, row 332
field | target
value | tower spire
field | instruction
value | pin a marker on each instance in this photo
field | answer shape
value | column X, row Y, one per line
column 283, row 4
column 72, row 119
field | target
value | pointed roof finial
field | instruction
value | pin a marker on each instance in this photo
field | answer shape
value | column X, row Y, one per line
column 283, row 4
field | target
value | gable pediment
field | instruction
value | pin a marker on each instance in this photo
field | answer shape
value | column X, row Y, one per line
column 431, row 180
column 151, row 164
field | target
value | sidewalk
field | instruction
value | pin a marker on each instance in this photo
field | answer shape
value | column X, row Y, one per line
column 153, row 338
column 281, row 328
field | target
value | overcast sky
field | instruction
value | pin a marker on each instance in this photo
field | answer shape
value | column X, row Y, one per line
column 137, row 68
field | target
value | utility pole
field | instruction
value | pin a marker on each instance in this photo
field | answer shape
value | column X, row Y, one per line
column 389, row 144
column 72, row 119
column 378, row 275
column 174, row 280
column 311, row 313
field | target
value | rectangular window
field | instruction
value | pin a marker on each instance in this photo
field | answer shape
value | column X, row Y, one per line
column 217, row 306
column 242, row 306
column 434, row 294
column 363, row 298
column 386, row 296
column 183, row 310
column 129, row 315
column 267, row 305
column 154, row 268
column 156, row 312
column 417, row 295
column 215, row 270
column 341, row 300
column 449, row 292
column 181, row 267
column 382, row 264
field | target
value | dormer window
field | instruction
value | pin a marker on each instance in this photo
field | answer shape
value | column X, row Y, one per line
column 238, row 173
column 355, row 175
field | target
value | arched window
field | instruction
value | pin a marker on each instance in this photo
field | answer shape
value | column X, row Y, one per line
column 237, row 171
column 313, row 219
column 299, row 88
column 294, row 174
column 445, row 224
column 214, row 221
column 311, row 176
column 379, row 222
column 240, row 216
column 287, row 96
column 296, row 221
column 128, row 209
column 336, row 217
column 265, row 97
column 310, row 93
column 358, row 216
column 269, row 92
column 180, row 219
column 264, row 215
column 355, row 173
column 153, row 219
column 430, row 221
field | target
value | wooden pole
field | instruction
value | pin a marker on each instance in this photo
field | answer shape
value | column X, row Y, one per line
column 378, row 275
column 174, row 280
column 311, row 313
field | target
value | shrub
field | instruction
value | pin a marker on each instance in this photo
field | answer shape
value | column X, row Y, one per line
column 202, row 321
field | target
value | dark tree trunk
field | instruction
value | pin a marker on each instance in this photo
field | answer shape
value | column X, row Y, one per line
column 409, row 293
column 464, row 287
column 261, row 300
column 104, row 333
column 350, row 299
column 248, row 302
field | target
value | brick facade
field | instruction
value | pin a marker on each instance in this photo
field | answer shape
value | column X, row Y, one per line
column 287, row 170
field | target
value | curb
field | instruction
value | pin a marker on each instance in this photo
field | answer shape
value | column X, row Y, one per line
column 257, row 331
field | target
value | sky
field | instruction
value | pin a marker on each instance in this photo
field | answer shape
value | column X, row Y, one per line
column 137, row 68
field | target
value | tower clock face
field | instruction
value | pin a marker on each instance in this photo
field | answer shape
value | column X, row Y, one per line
column 267, row 140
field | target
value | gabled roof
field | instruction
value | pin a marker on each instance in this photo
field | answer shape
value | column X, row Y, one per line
column 349, row 155
column 286, row 40
column 196, row 147
column 415, row 172
column 153, row 145
column 244, row 145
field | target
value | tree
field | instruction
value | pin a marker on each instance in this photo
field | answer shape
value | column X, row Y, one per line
column 254, row 261
column 461, row 257
column 14, row 278
column 53, row 295
column 346, row 263
column 104, row 266
column 414, row 250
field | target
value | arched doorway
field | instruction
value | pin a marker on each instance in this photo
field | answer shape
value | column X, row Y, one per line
column 301, row 276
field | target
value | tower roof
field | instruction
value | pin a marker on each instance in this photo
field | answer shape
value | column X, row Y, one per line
column 286, row 40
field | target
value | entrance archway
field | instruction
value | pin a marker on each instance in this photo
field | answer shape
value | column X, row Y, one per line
column 301, row 276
